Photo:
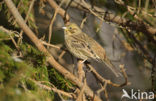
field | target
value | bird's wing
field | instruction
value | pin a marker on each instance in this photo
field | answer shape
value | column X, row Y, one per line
column 90, row 48
column 80, row 43
column 101, row 56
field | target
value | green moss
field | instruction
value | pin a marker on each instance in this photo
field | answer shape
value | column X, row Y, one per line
column 16, row 75
column 32, row 55
column 59, row 81
column 23, row 7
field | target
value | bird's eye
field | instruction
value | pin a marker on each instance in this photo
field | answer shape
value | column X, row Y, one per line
column 70, row 27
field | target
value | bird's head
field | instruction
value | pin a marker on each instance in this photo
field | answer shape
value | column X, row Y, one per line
column 72, row 29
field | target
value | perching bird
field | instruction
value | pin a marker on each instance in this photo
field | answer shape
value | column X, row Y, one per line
column 84, row 47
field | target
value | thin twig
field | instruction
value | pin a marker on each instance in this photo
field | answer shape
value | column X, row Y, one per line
column 81, row 94
column 61, row 11
column 71, row 95
column 14, row 42
column 26, row 19
column 122, row 22
column 40, row 46
column 67, row 20
column 148, row 30
column 10, row 34
column 81, row 73
column 106, row 94
column 102, row 88
column 103, row 80
column 52, row 21
column 61, row 55
column 83, row 21
column 51, row 45
column 141, row 47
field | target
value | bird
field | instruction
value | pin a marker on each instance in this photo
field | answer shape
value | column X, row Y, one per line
column 84, row 47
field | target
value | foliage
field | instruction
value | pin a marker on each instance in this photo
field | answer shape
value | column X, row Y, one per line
column 16, row 74
column 23, row 7
column 140, row 42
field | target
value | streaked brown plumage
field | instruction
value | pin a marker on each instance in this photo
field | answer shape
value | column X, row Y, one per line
column 84, row 47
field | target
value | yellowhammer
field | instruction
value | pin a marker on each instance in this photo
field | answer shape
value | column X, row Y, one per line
column 84, row 47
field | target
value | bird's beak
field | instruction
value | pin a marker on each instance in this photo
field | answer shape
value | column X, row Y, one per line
column 64, row 27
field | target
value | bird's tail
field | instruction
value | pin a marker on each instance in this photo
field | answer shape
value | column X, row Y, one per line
column 112, row 67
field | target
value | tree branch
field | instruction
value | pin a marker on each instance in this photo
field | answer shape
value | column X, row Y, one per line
column 108, row 16
column 40, row 46
column 60, row 11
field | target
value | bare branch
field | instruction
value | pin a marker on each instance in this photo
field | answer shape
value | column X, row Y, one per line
column 107, row 16
column 103, row 80
column 61, row 11
column 81, row 73
column 26, row 19
column 81, row 94
column 51, row 45
column 70, row 95
column 40, row 46
column 52, row 21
